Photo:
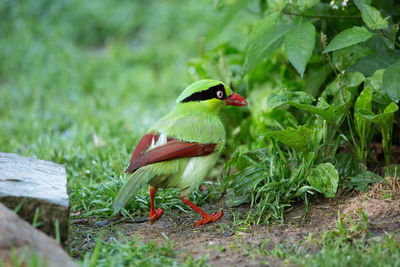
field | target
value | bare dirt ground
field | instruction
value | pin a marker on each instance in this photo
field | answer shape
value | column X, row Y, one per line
column 225, row 247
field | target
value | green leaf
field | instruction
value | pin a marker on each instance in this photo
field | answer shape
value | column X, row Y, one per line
column 348, row 165
column 299, row 44
column 316, row 77
column 375, row 83
column 372, row 17
column 359, row 3
column 324, row 178
column 276, row 5
column 361, row 181
column 264, row 39
column 380, row 118
column 348, row 37
column 298, row 138
column 348, row 56
column 381, row 57
column 333, row 113
column 391, row 81
column 362, row 125
column 384, row 123
column 305, row 4
column 364, row 101
column 278, row 98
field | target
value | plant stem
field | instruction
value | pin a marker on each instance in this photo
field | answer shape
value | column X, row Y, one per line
column 321, row 16
column 390, row 38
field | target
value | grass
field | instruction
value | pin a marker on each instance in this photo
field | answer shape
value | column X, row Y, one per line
column 349, row 244
column 272, row 179
column 132, row 252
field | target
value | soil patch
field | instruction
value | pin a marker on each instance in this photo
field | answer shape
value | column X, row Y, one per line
column 224, row 244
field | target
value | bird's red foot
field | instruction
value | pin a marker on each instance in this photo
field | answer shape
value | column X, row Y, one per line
column 155, row 214
column 210, row 218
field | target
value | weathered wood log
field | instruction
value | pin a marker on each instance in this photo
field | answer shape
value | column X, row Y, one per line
column 36, row 186
column 28, row 243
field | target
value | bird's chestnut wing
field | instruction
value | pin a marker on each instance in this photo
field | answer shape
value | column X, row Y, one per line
column 173, row 149
column 142, row 146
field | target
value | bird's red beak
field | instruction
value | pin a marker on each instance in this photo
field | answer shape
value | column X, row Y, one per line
column 235, row 100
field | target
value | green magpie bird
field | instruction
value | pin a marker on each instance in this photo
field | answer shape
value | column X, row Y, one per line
column 182, row 147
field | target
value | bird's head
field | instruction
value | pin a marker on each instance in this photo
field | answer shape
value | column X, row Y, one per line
column 210, row 94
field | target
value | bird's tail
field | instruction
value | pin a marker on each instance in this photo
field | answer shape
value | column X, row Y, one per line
column 138, row 179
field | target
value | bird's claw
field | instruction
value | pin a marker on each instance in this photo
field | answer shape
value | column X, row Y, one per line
column 154, row 215
column 213, row 217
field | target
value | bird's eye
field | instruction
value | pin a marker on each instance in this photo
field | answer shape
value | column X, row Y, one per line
column 220, row 94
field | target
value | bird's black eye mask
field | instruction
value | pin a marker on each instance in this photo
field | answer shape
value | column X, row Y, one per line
column 217, row 91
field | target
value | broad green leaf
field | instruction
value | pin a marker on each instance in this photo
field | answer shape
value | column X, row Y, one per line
column 380, row 58
column 375, row 83
column 298, row 138
column 361, row 181
column 348, row 37
column 299, row 44
column 279, row 97
column 264, row 39
column 324, row 178
column 348, row 165
column 276, row 5
column 359, row 3
column 384, row 123
column 372, row 17
column 348, row 56
column 333, row 113
column 364, row 101
column 362, row 125
column 391, row 81
column 380, row 118
column 316, row 77
column 305, row 4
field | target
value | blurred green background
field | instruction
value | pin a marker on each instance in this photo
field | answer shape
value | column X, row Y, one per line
column 82, row 81
column 71, row 69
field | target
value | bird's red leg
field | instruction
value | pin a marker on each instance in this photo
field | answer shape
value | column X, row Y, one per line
column 154, row 214
column 206, row 217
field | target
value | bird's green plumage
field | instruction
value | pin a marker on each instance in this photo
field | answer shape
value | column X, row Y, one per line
column 129, row 190
column 195, row 121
